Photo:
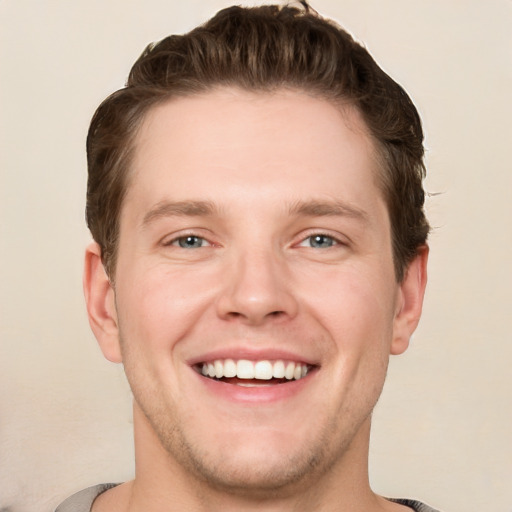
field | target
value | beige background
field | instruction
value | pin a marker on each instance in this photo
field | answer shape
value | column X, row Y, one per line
column 442, row 429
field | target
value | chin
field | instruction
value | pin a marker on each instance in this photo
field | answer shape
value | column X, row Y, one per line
column 258, row 465
column 255, row 473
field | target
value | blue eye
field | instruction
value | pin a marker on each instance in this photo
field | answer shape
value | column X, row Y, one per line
column 190, row 242
column 320, row 241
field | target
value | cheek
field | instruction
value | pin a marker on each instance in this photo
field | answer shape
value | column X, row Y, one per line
column 157, row 307
column 356, row 307
column 355, row 311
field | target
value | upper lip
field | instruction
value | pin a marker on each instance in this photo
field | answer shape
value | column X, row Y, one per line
column 252, row 354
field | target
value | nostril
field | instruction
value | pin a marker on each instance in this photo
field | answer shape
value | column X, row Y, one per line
column 236, row 314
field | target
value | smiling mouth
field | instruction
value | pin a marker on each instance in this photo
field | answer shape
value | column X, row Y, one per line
column 243, row 372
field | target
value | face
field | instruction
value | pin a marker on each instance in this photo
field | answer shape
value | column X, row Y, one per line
column 255, row 304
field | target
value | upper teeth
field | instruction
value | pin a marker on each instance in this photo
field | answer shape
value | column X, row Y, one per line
column 245, row 369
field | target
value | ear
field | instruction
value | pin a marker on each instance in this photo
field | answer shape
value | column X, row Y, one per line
column 100, row 300
column 410, row 301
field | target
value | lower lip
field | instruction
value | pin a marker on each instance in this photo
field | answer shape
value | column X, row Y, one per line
column 256, row 394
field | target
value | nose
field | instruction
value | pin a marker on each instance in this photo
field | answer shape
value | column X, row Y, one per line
column 257, row 289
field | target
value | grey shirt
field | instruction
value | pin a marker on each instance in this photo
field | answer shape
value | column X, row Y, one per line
column 82, row 501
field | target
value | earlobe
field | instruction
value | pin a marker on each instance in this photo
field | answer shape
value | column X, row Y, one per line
column 410, row 301
column 100, row 300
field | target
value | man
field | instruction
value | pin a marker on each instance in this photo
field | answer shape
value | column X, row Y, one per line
column 260, row 250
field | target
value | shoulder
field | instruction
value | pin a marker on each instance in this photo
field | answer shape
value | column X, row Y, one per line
column 417, row 506
column 82, row 501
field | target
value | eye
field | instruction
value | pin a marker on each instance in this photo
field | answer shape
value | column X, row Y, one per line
column 190, row 242
column 319, row 241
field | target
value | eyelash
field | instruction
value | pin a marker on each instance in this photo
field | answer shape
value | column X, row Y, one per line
column 177, row 242
column 331, row 239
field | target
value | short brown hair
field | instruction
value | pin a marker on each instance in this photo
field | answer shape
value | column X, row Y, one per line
column 261, row 49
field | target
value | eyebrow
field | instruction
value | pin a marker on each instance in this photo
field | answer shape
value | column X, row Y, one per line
column 327, row 209
column 297, row 208
column 180, row 209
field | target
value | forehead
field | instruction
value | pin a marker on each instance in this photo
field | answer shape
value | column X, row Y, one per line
column 285, row 141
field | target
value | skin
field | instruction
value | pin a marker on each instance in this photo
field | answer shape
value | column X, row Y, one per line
column 275, row 171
